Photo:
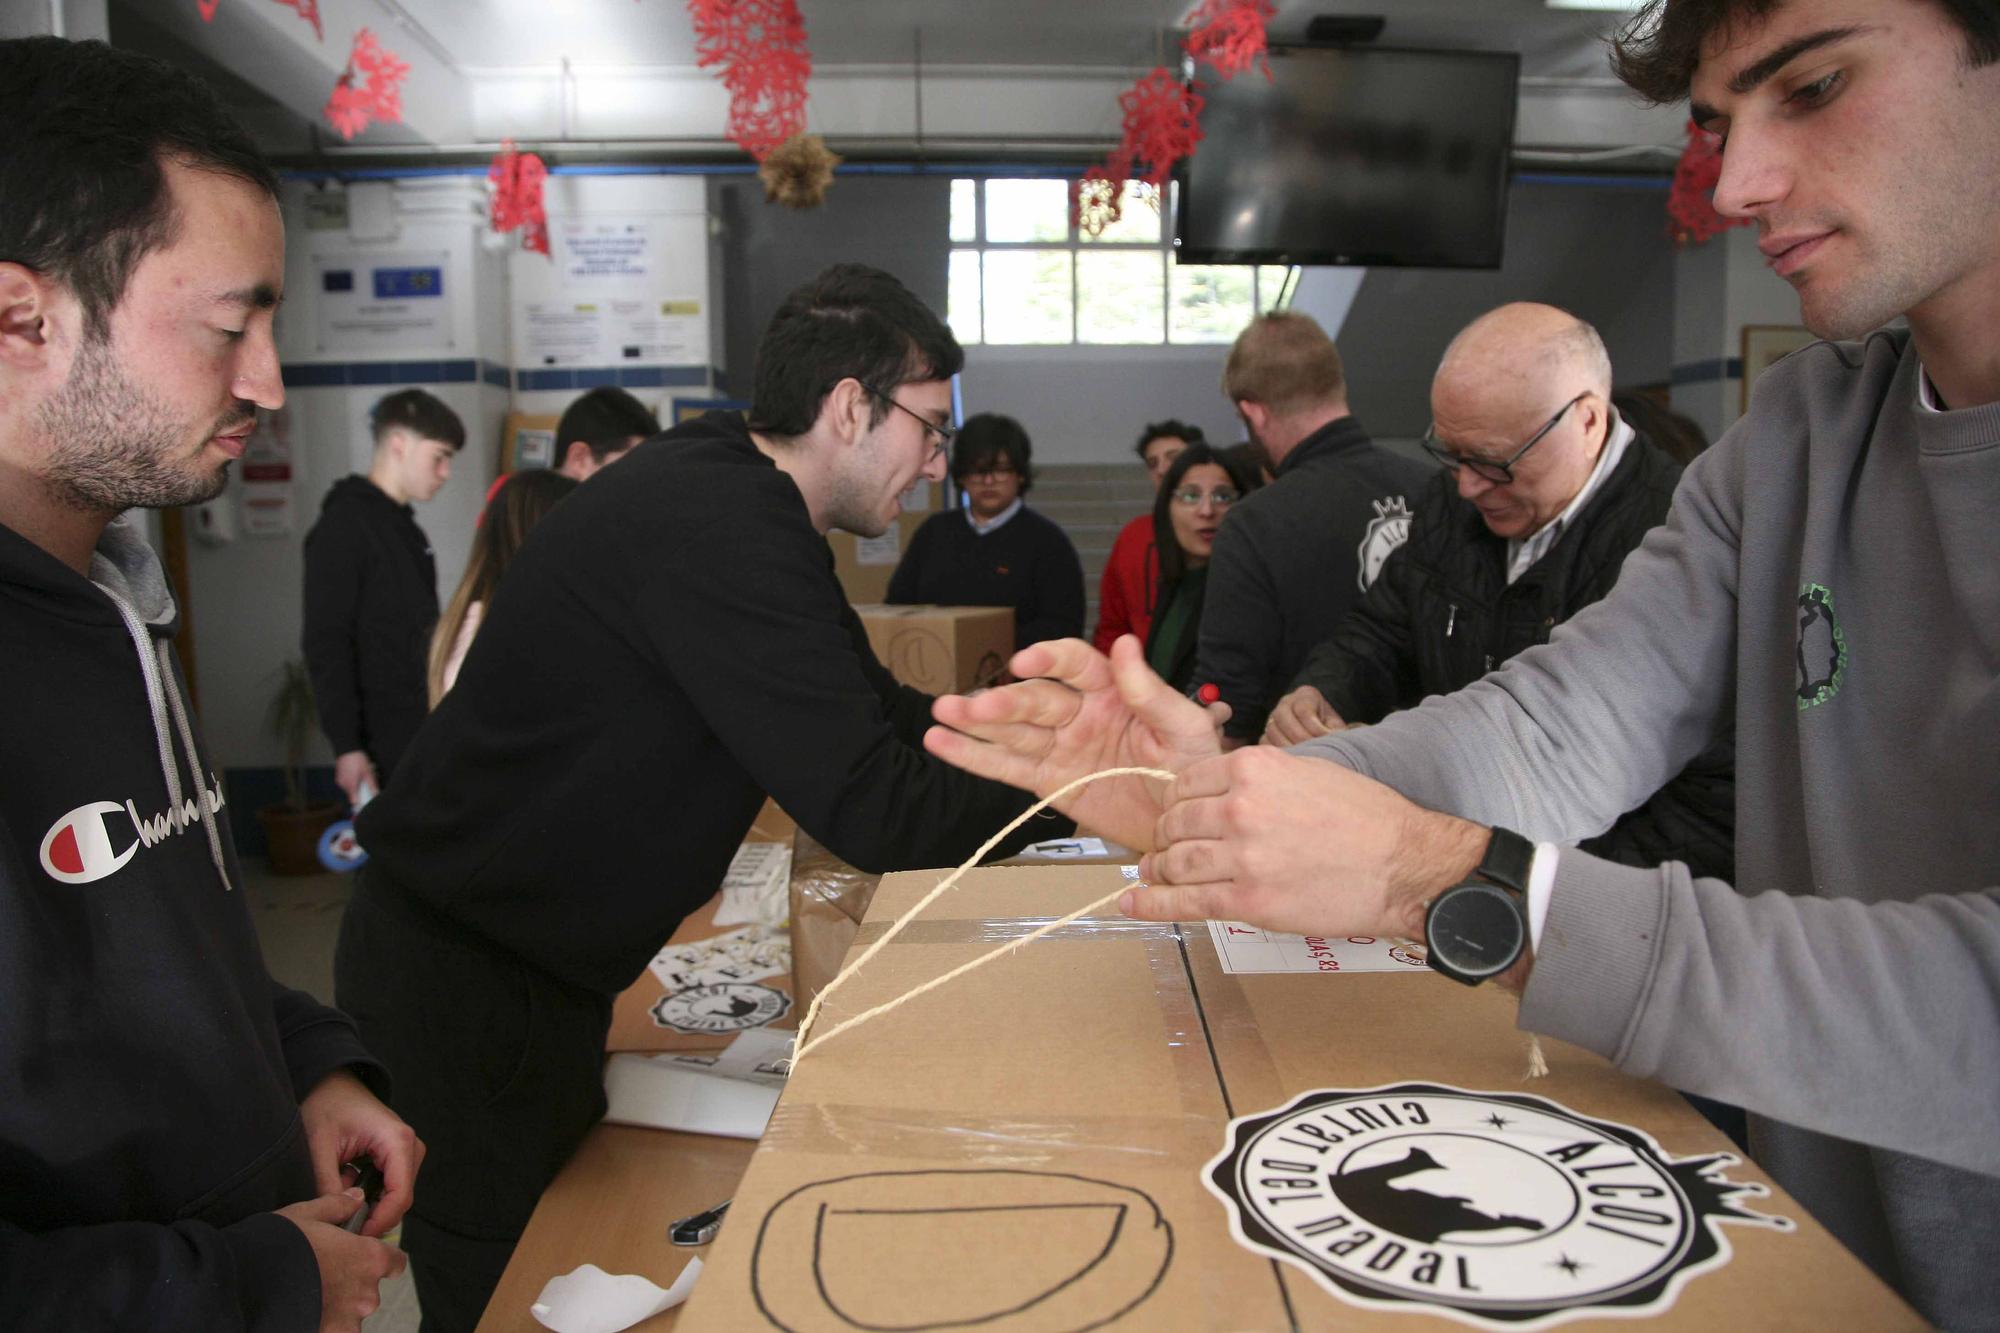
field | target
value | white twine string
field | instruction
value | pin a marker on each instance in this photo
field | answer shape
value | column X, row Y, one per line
column 1538, row 1065
column 812, row 1012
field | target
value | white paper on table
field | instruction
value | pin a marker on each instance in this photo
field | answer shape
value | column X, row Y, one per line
column 590, row 1300
column 756, row 1056
column 1066, row 849
column 668, row 1092
column 750, row 954
column 1250, row 949
column 757, row 888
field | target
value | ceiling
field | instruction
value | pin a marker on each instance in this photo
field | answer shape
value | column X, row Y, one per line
column 980, row 76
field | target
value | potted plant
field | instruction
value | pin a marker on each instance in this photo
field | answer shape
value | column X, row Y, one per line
column 292, row 827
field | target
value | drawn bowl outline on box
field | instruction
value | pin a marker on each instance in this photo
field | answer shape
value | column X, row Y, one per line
column 1111, row 1250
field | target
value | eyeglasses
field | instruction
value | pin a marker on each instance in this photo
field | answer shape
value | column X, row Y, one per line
column 994, row 473
column 1221, row 497
column 945, row 434
column 1493, row 470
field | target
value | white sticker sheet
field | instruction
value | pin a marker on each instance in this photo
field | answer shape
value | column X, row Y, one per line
column 750, row 954
column 757, row 888
column 1248, row 949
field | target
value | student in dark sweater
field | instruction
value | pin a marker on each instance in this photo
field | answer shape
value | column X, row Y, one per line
column 997, row 551
column 668, row 648
column 371, row 591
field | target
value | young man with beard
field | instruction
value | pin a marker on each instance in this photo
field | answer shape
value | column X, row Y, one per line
column 175, row 1123
column 1829, row 574
column 666, row 650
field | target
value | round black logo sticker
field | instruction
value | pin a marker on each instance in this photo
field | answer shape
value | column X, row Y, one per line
column 1504, row 1210
column 729, row 1006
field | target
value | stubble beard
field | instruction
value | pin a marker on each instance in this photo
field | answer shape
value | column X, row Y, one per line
column 114, row 444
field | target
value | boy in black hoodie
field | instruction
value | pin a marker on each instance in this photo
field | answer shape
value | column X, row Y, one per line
column 371, row 591
column 669, row 646
column 174, row 1124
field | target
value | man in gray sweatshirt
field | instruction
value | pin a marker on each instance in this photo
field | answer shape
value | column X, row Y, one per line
column 1829, row 576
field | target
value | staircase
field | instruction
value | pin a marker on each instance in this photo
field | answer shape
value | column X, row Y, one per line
column 1091, row 502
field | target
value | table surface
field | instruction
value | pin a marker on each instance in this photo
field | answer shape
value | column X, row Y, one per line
column 611, row 1206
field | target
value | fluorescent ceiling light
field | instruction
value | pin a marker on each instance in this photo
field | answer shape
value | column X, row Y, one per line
column 1619, row 6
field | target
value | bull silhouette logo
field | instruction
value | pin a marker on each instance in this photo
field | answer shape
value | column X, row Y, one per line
column 1502, row 1210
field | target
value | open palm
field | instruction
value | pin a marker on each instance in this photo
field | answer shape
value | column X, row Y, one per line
column 1076, row 712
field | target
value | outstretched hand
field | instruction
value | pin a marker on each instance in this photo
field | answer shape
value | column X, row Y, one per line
column 1075, row 712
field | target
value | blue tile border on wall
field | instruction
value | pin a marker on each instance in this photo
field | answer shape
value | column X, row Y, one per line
column 465, row 370
column 628, row 377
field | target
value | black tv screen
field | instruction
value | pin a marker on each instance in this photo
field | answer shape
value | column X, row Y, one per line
column 1367, row 156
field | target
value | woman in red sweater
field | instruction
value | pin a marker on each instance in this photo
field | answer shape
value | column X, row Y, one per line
column 1131, row 582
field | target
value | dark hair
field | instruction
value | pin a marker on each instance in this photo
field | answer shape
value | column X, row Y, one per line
column 88, row 129
column 850, row 322
column 987, row 439
column 1165, row 430
column 1678, row 436
column 1657, row 49
column 522, row 501
column 1173, row 560
column 1251, row 461
column 422, row 414
column 605, row 419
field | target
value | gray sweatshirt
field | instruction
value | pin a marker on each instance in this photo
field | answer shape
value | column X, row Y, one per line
column 1830, row 575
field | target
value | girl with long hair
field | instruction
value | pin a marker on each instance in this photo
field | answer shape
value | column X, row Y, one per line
column 518, row 504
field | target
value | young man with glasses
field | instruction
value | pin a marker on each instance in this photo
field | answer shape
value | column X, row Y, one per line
column 1828, row 579
column 669, row 648
column 997, row 551
column 1295, row 556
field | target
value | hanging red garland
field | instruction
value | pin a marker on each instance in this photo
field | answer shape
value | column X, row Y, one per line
column 1162, row 125
column 517, row 196
column 761, row 47
column 352, row 106
column 307, row 10
column 1229, row 34
column 1691, row 214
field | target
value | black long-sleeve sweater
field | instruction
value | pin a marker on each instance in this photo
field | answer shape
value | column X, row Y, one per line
column 1027, row 563
column 669, row 647
column 370, row 605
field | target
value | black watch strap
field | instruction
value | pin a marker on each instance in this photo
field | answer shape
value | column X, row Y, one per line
column 1508, row 859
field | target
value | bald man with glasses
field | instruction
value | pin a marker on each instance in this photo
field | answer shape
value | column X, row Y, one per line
column 1545, row 492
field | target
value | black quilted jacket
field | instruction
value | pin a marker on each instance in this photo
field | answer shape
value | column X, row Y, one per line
column 1442, row 614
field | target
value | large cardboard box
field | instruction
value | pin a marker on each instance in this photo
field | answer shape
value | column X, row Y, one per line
column 1109, row 1129
column 641, row 1021
column 941, row 649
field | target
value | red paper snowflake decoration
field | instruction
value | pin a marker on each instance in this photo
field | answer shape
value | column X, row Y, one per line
column 1691, row 214
column 353, row 106
column 1229, row 34
column 517, row 196
column 761, row 47
column 1162, row 125
column 307, row 10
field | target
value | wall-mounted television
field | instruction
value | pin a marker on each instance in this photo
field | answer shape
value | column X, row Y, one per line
column 1374, row 156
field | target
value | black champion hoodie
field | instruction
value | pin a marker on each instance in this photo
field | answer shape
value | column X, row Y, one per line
column 370, row 605
column 150, row 1069
column 669, row 646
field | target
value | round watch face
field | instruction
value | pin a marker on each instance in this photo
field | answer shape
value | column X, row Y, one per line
column 1476, row 929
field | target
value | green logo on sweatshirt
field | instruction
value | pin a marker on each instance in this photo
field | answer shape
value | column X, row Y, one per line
column 1822, row 647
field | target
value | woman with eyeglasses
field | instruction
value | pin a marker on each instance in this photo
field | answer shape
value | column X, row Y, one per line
column 996, row 551
column 1195, row 496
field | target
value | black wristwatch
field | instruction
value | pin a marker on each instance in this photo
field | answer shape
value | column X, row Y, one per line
column 1478, row 929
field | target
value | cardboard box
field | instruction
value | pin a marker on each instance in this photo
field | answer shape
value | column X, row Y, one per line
column 941, row 649
column 1107, row 1129
column 528, row 439
column 864, row 565
column 640, row 1023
